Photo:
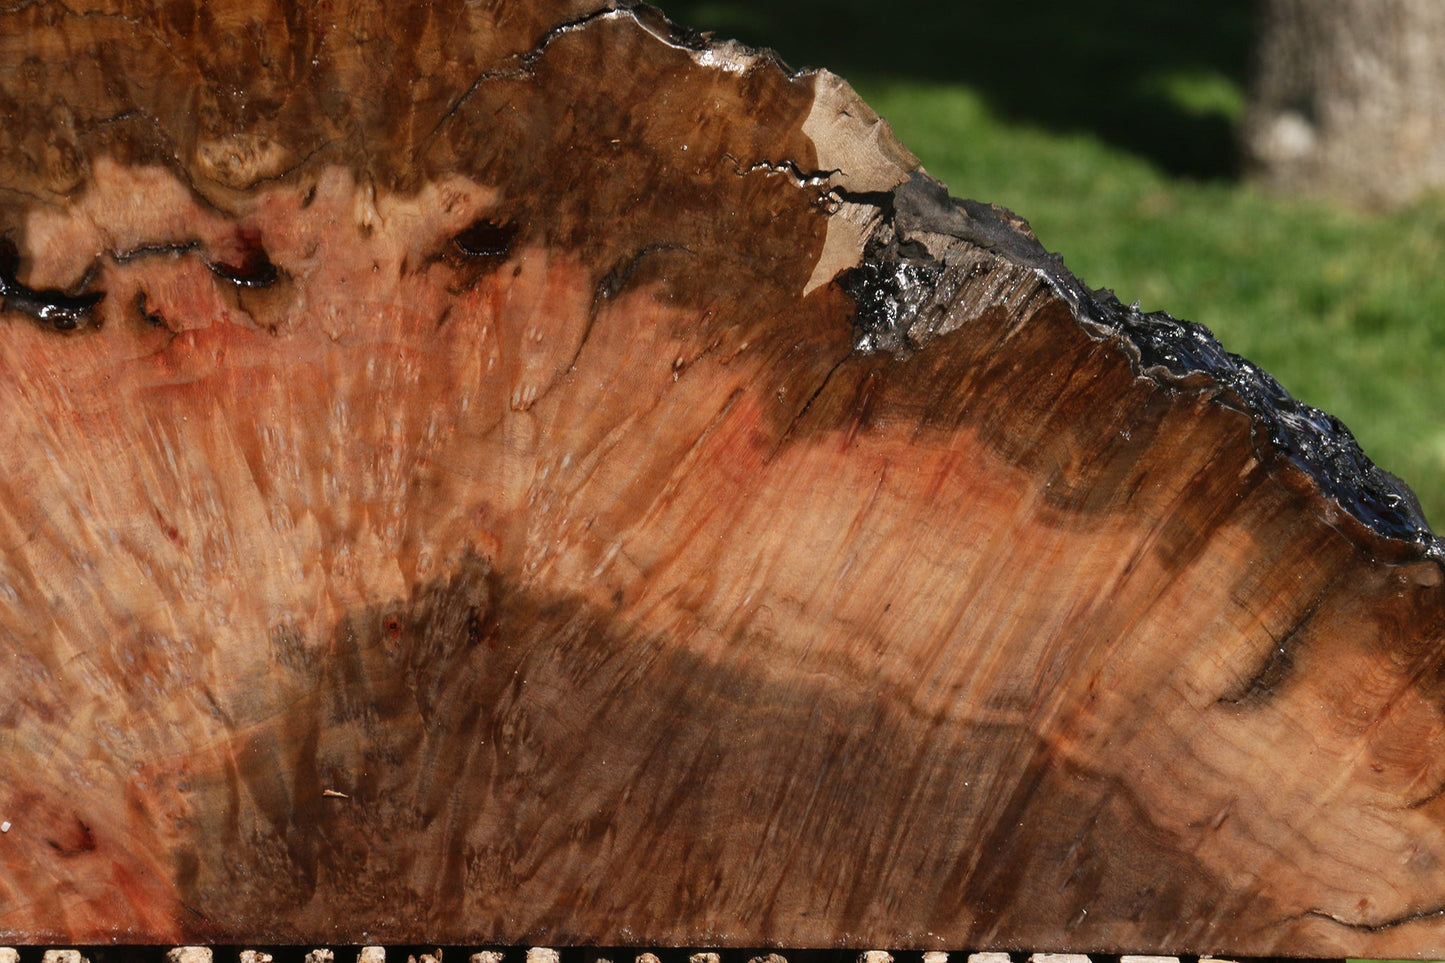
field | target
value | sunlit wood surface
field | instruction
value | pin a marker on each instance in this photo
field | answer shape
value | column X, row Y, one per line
column 450, row 494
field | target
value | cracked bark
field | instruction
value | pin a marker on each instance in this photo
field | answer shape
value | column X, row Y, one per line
column 514, row 483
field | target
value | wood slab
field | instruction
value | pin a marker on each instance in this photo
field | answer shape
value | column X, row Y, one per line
column 499, row 473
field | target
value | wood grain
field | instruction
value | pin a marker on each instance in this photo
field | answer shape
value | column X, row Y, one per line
column 502, row 473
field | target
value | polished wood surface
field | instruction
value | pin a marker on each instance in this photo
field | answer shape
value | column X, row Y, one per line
column 519, row 472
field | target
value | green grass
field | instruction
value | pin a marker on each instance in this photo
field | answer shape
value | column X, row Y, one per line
column 1347, row 310
column 1107, row 126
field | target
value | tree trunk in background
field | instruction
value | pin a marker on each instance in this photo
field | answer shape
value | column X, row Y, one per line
column 1349, row 98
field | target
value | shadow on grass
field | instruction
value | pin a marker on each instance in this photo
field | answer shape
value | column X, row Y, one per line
column 1161, row 80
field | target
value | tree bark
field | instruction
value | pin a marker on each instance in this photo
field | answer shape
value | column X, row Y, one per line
column 521, row 473
column 1349, row 99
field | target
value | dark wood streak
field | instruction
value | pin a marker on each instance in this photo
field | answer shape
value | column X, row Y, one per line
column 1276, row 666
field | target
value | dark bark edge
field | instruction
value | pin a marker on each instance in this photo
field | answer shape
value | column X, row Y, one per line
column 899, row 278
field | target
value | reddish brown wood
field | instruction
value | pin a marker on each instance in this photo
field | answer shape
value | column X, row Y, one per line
column 536, row 476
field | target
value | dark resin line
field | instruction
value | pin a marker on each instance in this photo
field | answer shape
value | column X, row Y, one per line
column 156, row 250
column 52, row 309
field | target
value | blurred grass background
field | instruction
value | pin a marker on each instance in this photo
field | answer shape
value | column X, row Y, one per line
column 1108, row 124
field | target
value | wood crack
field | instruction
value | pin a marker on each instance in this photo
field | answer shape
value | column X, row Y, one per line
column 525, row 62
column 1377, row 926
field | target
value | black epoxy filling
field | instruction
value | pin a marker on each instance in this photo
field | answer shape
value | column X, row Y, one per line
column 1314, row 440
column 53, row 309
column 899, row 280
column 254, row 271
column 891, row 291
column 485, row 239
